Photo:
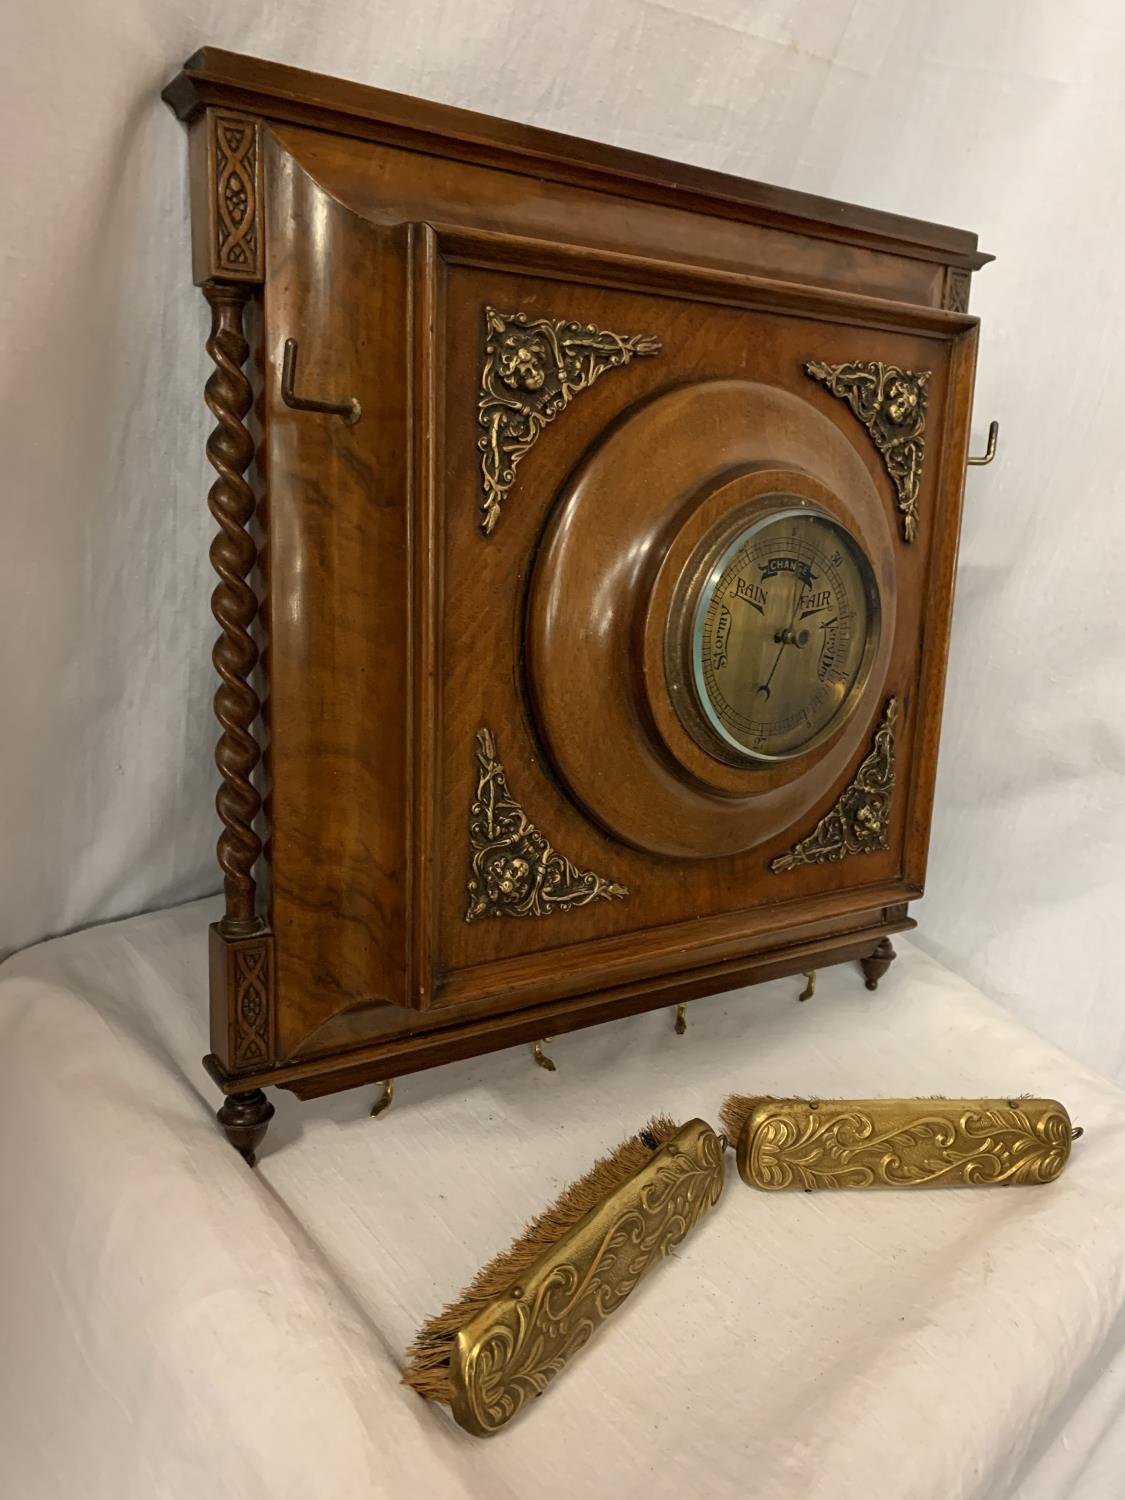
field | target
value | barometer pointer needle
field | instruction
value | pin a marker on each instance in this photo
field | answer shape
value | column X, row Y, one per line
column 764, row 689
column 786, row 638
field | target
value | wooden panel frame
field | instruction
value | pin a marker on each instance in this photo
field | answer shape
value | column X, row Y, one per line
column 434, row 1044
column 685, row 945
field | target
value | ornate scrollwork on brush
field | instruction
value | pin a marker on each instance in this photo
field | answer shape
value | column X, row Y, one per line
column 891, row 404
column 907, row 1143
column 514, row 870
column 230, row 449
column 532, row 370
column 859, row 822
column 509, row 1356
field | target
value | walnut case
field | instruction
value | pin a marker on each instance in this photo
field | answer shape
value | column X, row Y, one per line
column 524, row 374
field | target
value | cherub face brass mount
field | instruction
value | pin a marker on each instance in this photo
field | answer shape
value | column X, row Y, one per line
column 859, row 822
column 532, row 371
column 514, row 870
column 891, row 404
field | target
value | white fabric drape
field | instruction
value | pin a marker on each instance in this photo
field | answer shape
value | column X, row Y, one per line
column 175, row 1326
column 1005, row 116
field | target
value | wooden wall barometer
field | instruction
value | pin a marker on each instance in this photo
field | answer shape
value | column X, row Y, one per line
column 587, row 528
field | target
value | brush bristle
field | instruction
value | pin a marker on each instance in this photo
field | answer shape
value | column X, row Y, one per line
column 736, row 1110
column 428, row 1369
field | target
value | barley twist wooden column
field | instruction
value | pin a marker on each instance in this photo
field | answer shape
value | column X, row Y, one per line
column 230, row 450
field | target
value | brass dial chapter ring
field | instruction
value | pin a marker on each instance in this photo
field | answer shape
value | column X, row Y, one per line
column 623, row 529
column 738, row 502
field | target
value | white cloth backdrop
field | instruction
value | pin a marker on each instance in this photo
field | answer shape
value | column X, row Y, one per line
column 176, row 1327
column 1005, row 116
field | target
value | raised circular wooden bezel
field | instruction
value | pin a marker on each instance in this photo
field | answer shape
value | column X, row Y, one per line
column 623, row 529
column 757, row 496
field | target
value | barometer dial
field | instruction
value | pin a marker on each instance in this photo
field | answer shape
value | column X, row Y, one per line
column 783, row 629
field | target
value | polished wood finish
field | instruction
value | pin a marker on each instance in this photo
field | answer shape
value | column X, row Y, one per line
column 393, row 239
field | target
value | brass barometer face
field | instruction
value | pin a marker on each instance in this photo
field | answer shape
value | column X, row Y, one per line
column 779, row 623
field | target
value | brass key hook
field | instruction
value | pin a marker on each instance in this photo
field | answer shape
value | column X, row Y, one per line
column 348, row 410
column 990, row 449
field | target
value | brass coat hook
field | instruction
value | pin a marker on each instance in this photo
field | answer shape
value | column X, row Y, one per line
column 990, row 449
column 385, row 1098
column 348, row 410
column 541, row 1057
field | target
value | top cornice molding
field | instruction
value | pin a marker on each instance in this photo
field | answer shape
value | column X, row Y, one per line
column 273, row 91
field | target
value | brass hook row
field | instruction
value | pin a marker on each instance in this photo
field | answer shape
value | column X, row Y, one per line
column 383, row 1102
column 349, row 409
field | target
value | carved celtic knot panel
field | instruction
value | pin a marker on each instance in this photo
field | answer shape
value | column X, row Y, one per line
column 891, row 404
column 242, row 971
column 238, row 250
column 906, row 1143
column 532, row 370
column 251, row 1004
column 955, row 292
column 859, row 823
column 514, row 871
column 510, row 1353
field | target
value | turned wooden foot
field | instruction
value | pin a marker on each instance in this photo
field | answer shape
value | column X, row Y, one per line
column 245, row 1119
column 877, row 965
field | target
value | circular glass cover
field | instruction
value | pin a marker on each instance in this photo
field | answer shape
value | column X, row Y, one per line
column 785, row 625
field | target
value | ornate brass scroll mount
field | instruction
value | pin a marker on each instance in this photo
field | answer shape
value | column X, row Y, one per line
column 891, row 404
column 514, row 871
column 859, row 823
column 532, row 370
